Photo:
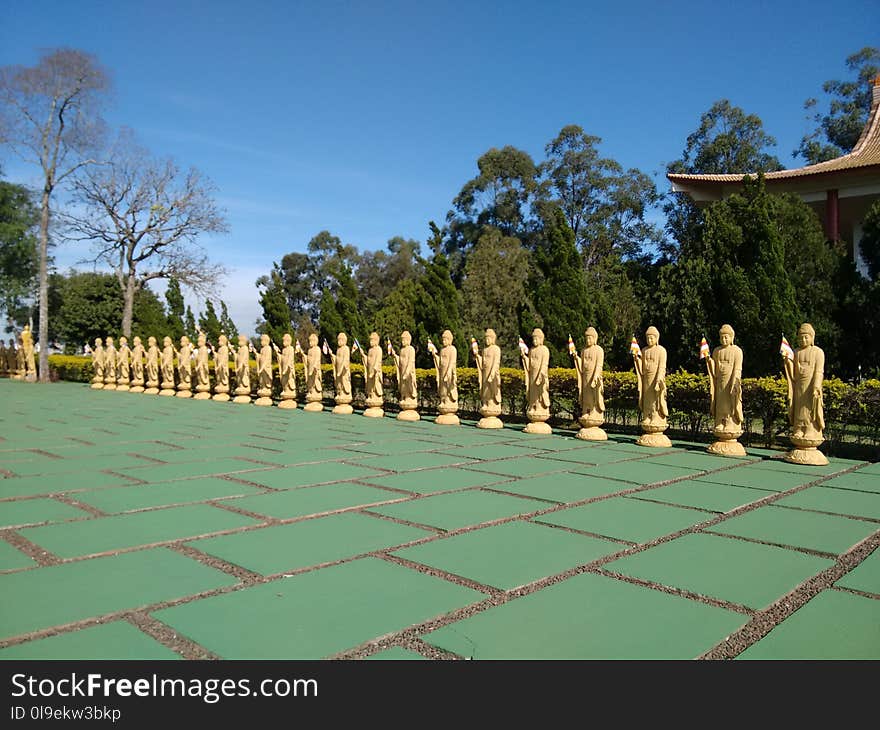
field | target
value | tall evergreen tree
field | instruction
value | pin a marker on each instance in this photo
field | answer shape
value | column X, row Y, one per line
column 19, row 217
column 209, row 322
column 273, row 299
column 174, row 308
column 189, row 323
column 437, row 308
column 227, row 326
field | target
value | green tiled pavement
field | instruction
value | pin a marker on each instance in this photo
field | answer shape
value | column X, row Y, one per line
column 124, row 499
column 626, row 519
column 184, row 470
column 491, row 451
column 590, row 617
column 426, row 481
column 563, row 487
column 301, row 544
column 313, row 500
column 510, row 555
column 393, row 447
column 55, row 484
column 826, row 533
column 317, row 614
column 34, row 511
column 142, row 528
column 723, row 567
column 760, row 478
column 696, row 461
column 461, row 509
column 92, row 588
column 860, row 480
column 308, row 474
column 116, row 640
column 833, row 625
column 12, row 559
column 838, row 501
column 396, row 652
column 865, row 576
column 705, row 495
column 408, row 462
column 522, row 466
column 119, row 464
column 833, row 466
column 640, row 471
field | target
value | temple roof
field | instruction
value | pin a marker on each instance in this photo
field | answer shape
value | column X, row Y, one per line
column 865, row 154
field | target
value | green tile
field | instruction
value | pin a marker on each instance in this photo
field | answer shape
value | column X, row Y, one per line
column 637, row 472
column 833, row 625
column 797, row 528
column 869, row 469
column 169, row 472
column 460, row 509
column 865, row 576
column 833, row 466
column 838, row 501
column 12, row 559
column 397, row 653
column 590, row 617
column 316, row 614
column 523, row 466
column 740, row 572
column 426, row 481
column 626, row 519
column 410, row 462
column 394, row 447
column 563, row 487
column 33, row 511
column 119, row 463
column 759, row 478
column 308, row 474
column 860, row 480
column 92, row 588
column 488, row 452
column 314, row 500
column 696, row 460
column 56, row 484
column 272, row 550
column 200, row 489
column 101, row 534
column 116, row 640
column 704, row 495
column 511, row 555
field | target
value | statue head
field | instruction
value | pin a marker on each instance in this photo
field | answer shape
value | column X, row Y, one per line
column 242, row 341
column 184, row 341
column 490, row 337
column 313, row 340
column 652, row 335
column 446, row 338
column 341, row 339
column 405, row 338
column 264, row 340
column 123, row 341
column 223, row 340
column 806, row 335
column 151, row 341
column 374, row 339
column 98, row 342
column 591, row 336
column 201, row 339
column 137, row 341
column 109, row 342
column 537, row 337
column 286, row 339
column 726, row 334
column 167, row 342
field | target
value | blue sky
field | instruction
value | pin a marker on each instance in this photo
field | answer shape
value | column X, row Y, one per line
column 366, row 118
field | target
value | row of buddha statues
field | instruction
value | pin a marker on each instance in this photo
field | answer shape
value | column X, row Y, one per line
column 18, row 360
column 152, row 370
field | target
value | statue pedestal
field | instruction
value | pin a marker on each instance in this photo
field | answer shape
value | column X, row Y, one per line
column 184, row 393
column 242, row 399
column 220, row 397
column 806, row 452
column 151, row 391
column 166, row 392
column 109, row 386
column 314, row 403
column 408, row 410
column 726, row 444
column 653, row 436
column 490, row 417
column 537, row 425
column 287, row 402
column 374, row 408
column 202, row 396
column 96, row 384
column 31, row 377
column 448, row 415
column 137, row 386
column 343, row 405
column 590, row 430
column 264, row 397
column 123, row 386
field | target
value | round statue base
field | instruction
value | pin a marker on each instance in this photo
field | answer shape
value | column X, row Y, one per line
column 408, row 415
column 374, row 412
column 656, row 440
column 21, row 377
column 109, row 386
column 31, row 377
column 151, row 391
column 287, row 404
column 136, row 389
column 592, row 433
column 447, row 419
column 538, row 427
column 314, row 406
column 726, row 445
column 203, row 389
column 805, row 452
column 220, row 397
column 263, row 400
column 123, row 387
column 343, row 409
column 241, row 399
column 95, row 386
column 490, row 422
column 202, row 396
column 166, row 392
column 184, row 394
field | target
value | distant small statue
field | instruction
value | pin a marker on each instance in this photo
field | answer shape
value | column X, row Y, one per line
column 264, row 372
column 137, row 366
column 184, row 368
column 445, row 363
column 590, row 387
column 123, row 365
column 650, row 367
column 287, row 371
column 152, row 367
column 27, row 346
column 221, row 369
column 405, row 365
column 201, row 369
column 724, row 367
column 109, row 364
column 167, row 364
column 314, row 376
column 341, row 361
column 97, row 363
column 489, row 377
column 242, row 369
column 372, row 360
column 805, row 371
column 536, row 363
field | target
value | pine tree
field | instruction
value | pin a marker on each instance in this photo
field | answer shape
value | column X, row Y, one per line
column 437, row 309
column 227, row 326
column 189, row 324
column 208, row 322
column 276, row 312
column 174, row 310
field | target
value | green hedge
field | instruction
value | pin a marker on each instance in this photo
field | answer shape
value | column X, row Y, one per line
column 852, row 412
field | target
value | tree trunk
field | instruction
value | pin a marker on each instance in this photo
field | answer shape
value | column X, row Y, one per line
column 44, row 286
column 128, row 292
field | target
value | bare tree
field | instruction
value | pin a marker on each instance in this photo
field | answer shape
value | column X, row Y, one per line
column 49, row 115
column 145, row 216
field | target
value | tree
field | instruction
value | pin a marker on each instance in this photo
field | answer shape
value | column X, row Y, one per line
column 209, row 323
column 870, row 243
column 49, row 115
column 437, row 306
column 339, row 306
column 19, row 218
column 838, row 129
column 297, row 276
column 145, row 217
column 189, row 323
column 175, row 309
column 380, row 273
column 227, row 326
column 276, row 313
